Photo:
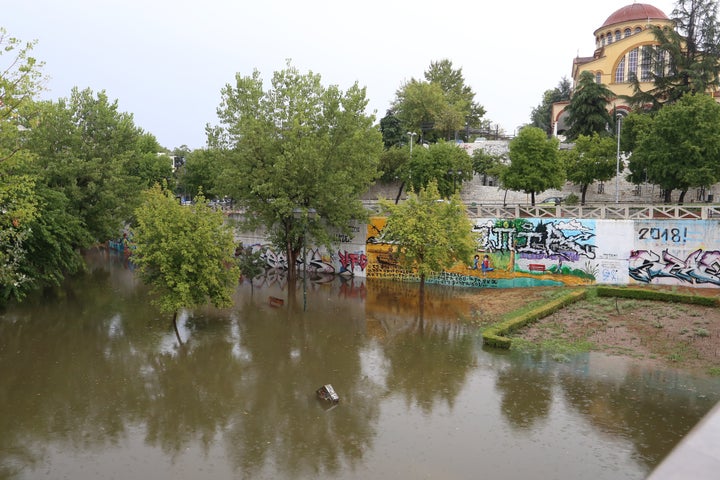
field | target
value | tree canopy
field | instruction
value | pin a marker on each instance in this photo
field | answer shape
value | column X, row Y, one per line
column 429, row 234
column 680, row 148
column 442, row 163
column 184, row 253
column 535, row 164
column 296, row 148
column 587, row 111
column 592, row 159
column 439, row 106
column 686, row 59
column 20, row 81
column 97, row 158
column 541, row 116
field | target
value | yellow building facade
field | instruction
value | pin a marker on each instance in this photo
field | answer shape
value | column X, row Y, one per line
column 622, row 52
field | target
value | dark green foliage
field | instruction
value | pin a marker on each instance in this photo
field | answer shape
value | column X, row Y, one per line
column 443, row 163
column 647, row 294
column 541, row 116
column 593, row 158
column 686, row 59
column 588, row 112
column 535, row 165
column 392, row 162
column 680, row 147
column 392, row 130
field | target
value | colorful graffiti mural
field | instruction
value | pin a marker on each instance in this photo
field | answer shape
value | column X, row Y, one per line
column 542, row 251
column 698, row 267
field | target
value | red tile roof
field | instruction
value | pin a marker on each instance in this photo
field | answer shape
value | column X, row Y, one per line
column 636, row 11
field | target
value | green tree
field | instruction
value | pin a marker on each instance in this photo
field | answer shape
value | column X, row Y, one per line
column 419, row 105
column 686, row 59
column 202, row 171
column 588, row 108
column 186, row 254
column 443, row 163
column 297, row 149
column 392, row 130
column 440, row 106
column 535, row 164
column 541, row 116
column 21, row 81
column 592, row 159
column 681, row 150
column 486, row 164
column 462, row 109
column 393, row 164
column 98, row 159
column 429, row 234
column 250, row 263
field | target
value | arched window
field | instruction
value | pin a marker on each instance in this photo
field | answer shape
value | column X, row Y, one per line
column 598, row 77
column 638, row 29
column 602, row 40
column 632, row 64
column 617, row 35
column 646, row 64
column 620, row 72
column 627, row 32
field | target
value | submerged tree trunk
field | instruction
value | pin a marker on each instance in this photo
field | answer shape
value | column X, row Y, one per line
column 422, row 293
column 291, row 264
column 177, row 332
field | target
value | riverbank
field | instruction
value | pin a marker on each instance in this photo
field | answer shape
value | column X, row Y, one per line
column 674, row 335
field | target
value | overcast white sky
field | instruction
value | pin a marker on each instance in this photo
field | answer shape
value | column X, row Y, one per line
column 165, row 61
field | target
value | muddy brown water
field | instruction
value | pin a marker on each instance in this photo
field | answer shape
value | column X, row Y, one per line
column 93, row 384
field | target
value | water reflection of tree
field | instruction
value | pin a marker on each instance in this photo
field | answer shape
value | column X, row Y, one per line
column 288, row 364
column 82, row 369
column 526, row 394
column 652, row 409
column 70, row 371
column 429, row 365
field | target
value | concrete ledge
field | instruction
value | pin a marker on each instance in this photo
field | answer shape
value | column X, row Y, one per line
column 697, row 456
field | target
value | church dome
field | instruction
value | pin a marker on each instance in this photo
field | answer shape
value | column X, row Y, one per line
column 633, row 13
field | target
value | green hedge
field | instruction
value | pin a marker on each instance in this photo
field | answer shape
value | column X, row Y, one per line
column 646, row 294
column 494, row 335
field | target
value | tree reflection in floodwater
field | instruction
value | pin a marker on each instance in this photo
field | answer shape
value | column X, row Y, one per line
column 93, row 380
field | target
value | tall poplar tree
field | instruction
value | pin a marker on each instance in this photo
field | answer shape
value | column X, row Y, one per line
column 297, row 157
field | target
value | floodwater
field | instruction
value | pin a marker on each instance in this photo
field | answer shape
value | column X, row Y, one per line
column 94, row 384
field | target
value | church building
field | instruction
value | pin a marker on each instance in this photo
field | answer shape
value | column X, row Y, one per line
column 623, row 52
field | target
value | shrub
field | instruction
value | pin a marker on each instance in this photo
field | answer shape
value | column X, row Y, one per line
column 494, row 336
column 645, row 294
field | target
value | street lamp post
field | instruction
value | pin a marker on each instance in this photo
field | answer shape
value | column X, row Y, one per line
column 455, row 174
column 411, row 135
column 617, row 162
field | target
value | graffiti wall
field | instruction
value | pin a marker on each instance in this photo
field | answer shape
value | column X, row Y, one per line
column 346, row 257
column 683, row 252
column 548, row 251
column 537, row 252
